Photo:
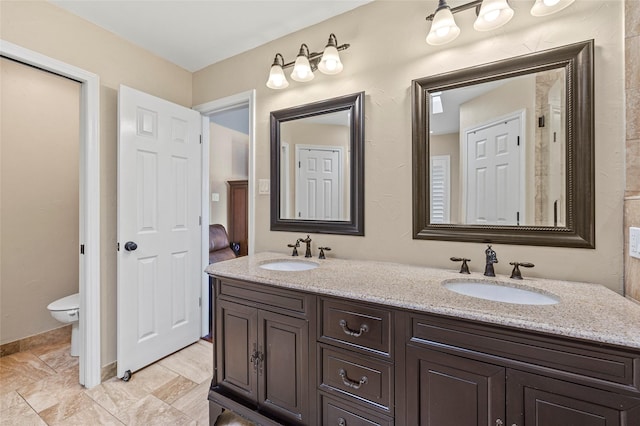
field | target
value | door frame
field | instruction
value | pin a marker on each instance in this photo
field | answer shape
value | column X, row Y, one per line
column 89, row 189
column 207, row 109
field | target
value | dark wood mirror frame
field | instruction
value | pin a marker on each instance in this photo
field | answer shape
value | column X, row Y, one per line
column 355, row 225
column 577, row 59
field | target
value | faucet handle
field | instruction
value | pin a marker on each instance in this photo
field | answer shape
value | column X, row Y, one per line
column 464, row 269
column 515, row 274
column 294, row 247
column 322, row 249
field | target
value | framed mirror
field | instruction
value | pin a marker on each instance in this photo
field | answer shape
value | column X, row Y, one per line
column 317, row 167
column 504, row 152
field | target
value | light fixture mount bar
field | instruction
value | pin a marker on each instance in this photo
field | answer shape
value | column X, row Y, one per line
column 475, row 3
column 315, row 57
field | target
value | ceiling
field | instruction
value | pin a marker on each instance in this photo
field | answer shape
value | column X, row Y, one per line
column 196, row 33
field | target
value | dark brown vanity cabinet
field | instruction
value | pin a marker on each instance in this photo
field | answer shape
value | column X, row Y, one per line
column 291, row 357
column 466, row 374
column 263, row 351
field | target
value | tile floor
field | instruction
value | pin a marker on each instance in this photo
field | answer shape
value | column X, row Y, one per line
column 40, row 387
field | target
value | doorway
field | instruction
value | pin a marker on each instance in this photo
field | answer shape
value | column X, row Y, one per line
column 241, row 107
column 89, row 203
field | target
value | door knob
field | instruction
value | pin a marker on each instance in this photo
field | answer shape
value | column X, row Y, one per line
column 130, row 246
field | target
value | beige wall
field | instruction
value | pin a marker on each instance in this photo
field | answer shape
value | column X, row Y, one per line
column 228, row 160
column 387, row 52
column 632, row 193
column 39, row 141
column 47, row 29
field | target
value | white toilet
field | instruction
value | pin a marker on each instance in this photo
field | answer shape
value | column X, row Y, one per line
column 67, row 310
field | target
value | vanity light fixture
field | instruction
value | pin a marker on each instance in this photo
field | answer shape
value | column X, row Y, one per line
column 547, row 7
column 328, row 62
column 491, row 14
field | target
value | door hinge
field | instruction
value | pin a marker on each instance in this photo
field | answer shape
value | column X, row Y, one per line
column 541, row 121
column 518, row 140
column 118, row 247
column 200, row 220
column 200, row 301
column 299, row 164
column 81, row 248
column 518, row 218
column 554, row 136
column 200, row 139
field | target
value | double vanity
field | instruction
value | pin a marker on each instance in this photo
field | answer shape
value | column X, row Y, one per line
column 343, row 342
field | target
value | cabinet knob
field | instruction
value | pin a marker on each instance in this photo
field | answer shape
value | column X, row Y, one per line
column 349, row 332
column 499, row 422
column 342, row 422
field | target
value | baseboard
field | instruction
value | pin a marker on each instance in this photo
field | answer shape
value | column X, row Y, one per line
column 51, row 337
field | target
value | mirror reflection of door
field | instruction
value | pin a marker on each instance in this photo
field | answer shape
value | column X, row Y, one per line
column 493, row 173
column 319, row 183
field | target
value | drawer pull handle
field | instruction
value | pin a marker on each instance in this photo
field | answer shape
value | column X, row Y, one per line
column 342, row 422
column 363, row 329
column 351, row 383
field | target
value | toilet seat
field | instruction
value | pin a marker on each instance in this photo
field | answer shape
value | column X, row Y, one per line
column 66, row 303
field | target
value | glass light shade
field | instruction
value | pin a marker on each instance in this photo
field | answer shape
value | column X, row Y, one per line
column 443, row 29
column 547, row 7
column 277, row 79
column 302, row 69
column 330, row 62
column 493, row 14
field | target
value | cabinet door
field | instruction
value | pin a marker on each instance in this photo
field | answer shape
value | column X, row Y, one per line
column 283, row 375
column 448, row 390
column 536, row 400
column 236, row 342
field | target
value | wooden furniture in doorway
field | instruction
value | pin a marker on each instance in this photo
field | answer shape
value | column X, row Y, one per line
column 237, row 214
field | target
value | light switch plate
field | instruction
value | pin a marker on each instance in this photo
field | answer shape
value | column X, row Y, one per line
column 263, row 186
column 634, row 242
column 215, row 196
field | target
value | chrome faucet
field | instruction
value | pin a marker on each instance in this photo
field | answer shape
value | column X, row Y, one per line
column 491, row 259
column 307, row 241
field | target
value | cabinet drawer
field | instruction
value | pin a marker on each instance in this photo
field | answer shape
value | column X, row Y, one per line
column 363, row 378
column 353, row 324
column 251, row 293
column 336, row 413
column 564, row 356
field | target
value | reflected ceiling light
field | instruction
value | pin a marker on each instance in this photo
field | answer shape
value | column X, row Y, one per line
column 328, row 62
column 547, row 7
column 436, row 103
column 444, row 28
column 491, row 14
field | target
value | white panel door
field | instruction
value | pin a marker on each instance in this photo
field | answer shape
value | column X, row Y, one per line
column 159, row 205
column 493, row 174
column 319, row 184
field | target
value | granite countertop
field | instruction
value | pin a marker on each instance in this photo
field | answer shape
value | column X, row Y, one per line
column 585, row 311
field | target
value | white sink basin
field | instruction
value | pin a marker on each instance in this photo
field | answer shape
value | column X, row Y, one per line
column 289, row 265
column 501, row 293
